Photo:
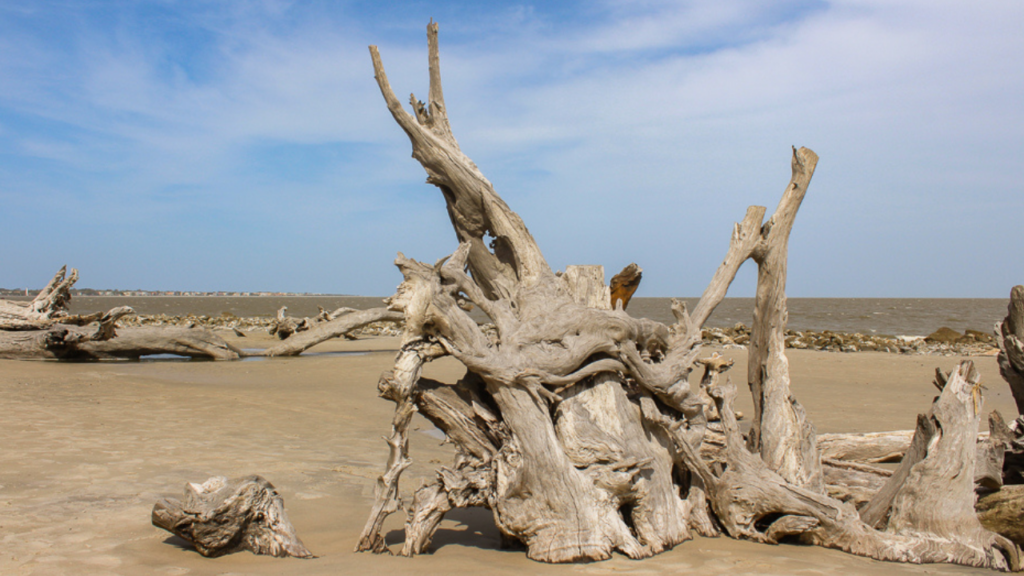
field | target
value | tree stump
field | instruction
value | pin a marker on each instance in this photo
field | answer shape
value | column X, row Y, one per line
column 221, row 516
column 576, row 425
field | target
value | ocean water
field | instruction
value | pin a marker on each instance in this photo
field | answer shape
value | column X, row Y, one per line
column 891, row 316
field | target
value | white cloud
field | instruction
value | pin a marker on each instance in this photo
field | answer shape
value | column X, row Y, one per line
column 658, row 120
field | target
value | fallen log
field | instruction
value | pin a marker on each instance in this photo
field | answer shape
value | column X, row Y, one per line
column 221, row 516
column 872, row 447
column 68, row 342
column 339, row 326
column 43, row 329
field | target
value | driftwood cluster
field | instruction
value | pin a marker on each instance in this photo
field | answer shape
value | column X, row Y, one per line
column 44, row 329
column 577, row 425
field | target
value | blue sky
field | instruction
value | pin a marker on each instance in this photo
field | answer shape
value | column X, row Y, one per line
column 245, row 146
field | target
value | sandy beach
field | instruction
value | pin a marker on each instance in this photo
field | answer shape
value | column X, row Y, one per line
column 86, row 449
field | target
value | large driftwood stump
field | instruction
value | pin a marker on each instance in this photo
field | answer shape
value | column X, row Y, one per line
column 576, row 424
column 221, row 516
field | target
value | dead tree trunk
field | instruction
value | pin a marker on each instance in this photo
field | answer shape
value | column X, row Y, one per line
column 576, row 424
column 780, row 430
column 45, row 309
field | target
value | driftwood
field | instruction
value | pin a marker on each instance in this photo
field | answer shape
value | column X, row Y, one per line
column 221, row 516
column 576, row 425
column 284, row 326
column 624, row 284
column 871, row 447
column 65, row 342
column 1010, row 337
column 332, row 327
column 49, row 305
column 43, row 329
column 1002, row 511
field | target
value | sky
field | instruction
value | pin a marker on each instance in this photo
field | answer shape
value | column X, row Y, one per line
column 244, row 146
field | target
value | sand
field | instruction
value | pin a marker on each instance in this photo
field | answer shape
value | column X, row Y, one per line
column 87, row 449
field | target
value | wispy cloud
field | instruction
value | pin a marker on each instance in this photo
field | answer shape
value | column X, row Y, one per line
column 621, row 131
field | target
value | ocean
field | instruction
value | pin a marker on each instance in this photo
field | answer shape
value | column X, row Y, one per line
column 877, row 316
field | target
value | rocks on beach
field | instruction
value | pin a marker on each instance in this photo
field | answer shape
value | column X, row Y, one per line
column 942, row 342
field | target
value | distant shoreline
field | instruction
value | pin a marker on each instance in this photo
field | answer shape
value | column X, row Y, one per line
column 869, row 316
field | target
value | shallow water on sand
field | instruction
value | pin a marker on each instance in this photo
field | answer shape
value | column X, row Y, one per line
column 893, row 316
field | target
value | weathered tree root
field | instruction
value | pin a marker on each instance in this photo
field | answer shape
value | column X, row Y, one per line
column 576, row 424
column 929, row 517
column 221, row 516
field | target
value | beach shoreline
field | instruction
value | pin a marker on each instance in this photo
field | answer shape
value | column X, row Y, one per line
column 88, row 448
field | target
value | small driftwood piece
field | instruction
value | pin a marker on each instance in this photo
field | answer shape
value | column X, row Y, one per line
column 624, row 284
column 284, row 325
column 221, row 516
column 576, row 424
column 332, row 328
column 873, row 447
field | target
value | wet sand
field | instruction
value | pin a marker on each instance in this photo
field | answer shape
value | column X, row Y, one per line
column 87, row 449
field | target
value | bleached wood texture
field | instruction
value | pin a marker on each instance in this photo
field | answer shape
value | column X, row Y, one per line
column 64, row 342
column 866, row 446
column 49, row 305
column 333, row 326
column 221, row 516
column 575, row 423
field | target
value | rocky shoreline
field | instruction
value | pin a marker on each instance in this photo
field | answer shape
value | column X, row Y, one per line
column 942, row 342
